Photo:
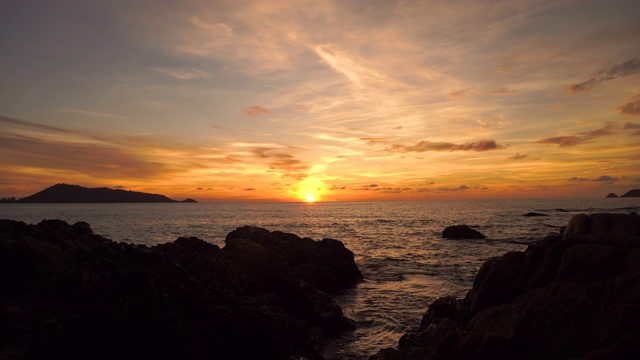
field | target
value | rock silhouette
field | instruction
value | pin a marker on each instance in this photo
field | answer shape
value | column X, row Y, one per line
column 65, row 193
column 534, row 214
column 461, row 232
column 631, row 193
column 570, row 295
column 69, row 293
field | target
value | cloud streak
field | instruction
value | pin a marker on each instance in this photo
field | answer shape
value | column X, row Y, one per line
column 183, row 73
column 629, row 67
column 578, row 138
column 35, row 125
column 424, row 146
column 632, row 107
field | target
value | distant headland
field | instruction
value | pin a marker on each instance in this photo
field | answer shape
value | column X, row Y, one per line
column 630, row 193
column 66, row 193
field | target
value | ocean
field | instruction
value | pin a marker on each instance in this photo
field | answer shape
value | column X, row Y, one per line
column 397, row 245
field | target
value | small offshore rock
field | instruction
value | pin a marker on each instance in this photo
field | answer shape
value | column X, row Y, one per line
column 461, row 232
column 534, row 214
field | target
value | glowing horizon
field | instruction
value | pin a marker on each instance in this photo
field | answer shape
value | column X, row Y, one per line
column 329, row 100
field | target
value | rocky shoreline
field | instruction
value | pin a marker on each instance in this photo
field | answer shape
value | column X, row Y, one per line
column 69, row 293
column 573, row 295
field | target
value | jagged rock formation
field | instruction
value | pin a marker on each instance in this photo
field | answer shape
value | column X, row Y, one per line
column 68, row 293
column 574, row 295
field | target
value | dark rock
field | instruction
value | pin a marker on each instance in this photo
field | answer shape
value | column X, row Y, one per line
column 611, row 196
column 570, row 296
column 461, row 232
column 68, row 293
column 602, row 227
column 65, row 193
column 534, row 214
column 632, row 193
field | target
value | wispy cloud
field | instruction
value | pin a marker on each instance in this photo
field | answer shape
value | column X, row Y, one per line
column 424, row 145
column 633, row 126
column 605, row 179
column 183, row 73
column 375, row 140
column 93, row 159
column 629, row 67
column 578, row 138
column 90, row 113
column 287, row 164
column 459, row 94
column 518, row 156
column 34, row 125
column 632, row 107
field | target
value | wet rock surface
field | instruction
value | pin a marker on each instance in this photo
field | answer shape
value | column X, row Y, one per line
column 570, row 295
column 69, row 293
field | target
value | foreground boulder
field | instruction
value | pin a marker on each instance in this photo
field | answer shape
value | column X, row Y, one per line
column 68, row 293
column 574, row 295
column 461, row 232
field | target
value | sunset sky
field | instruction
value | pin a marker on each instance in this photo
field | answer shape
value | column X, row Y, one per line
column 339, row 100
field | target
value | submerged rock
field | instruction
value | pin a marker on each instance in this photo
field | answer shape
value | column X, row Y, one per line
column 68, row 293
column 461, row 232
column 574, row 295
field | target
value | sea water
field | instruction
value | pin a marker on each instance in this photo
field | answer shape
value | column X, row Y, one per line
column 398, row 245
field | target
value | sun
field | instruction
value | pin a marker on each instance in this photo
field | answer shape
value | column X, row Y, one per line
column 310, row 198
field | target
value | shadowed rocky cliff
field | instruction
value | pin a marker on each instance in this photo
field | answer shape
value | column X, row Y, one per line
column 571, row 295
column 68, row 293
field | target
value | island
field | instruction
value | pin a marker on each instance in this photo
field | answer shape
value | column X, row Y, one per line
column 631, row 193
column 66, row 193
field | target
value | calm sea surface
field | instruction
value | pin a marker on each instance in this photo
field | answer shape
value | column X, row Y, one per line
column 398, row 245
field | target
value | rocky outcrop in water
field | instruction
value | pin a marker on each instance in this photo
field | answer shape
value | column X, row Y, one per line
column 631, row 193
column 574, row 295
column 611, row 196
column 534, row 214
column 461, row 232
column 68, row 293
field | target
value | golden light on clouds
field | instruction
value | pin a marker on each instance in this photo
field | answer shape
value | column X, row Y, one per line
column 330, row 100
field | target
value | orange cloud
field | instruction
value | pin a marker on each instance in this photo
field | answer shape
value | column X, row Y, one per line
column 423, row 146
column 579, row 138
column 562, row 141
column 256, row 110
column 374, row 140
